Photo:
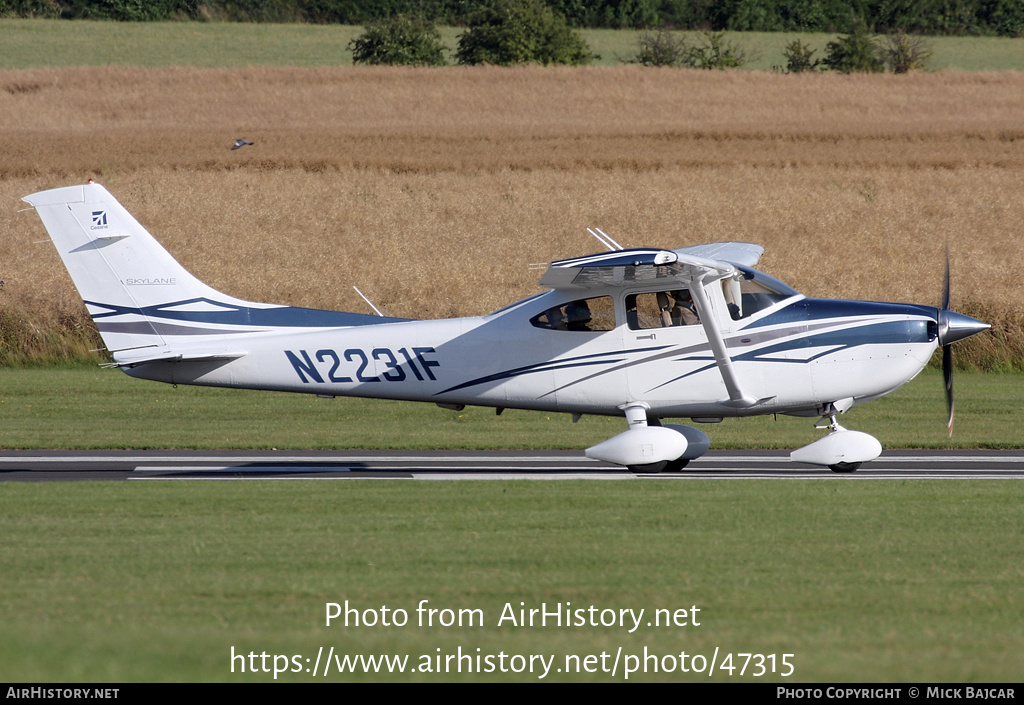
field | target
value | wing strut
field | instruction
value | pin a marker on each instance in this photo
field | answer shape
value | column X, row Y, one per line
column 707, row 319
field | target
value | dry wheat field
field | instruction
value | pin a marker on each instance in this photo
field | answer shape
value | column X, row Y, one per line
column 435, row 190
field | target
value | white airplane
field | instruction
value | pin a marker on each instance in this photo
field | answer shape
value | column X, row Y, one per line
column 647, row 334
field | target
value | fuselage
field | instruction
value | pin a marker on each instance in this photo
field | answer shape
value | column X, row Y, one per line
column 793, row 354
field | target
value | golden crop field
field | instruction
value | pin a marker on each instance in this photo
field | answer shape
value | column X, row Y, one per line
column 435, row 190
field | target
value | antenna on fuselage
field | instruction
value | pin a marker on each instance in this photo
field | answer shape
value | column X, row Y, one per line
column 605, row 239
column 377, row 310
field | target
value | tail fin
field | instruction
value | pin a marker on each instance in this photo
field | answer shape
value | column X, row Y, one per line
column 146, row 306
column 120, row 270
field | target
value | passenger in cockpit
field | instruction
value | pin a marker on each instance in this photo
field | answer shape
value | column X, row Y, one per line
column 684, row 313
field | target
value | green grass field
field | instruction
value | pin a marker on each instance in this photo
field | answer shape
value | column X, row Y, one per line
column 38, row 43
column 859, row 581
column 84, row 407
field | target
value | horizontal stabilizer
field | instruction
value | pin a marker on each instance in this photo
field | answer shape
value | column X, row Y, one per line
column 123, row 359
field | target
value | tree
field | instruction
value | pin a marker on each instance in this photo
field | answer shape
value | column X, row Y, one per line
column 399, row 40
column 508, row 32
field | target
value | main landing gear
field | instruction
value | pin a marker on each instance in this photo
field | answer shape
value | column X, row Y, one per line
column 664, row 466
column 650, row 446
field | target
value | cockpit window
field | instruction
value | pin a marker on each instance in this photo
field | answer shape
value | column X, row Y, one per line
column 594, row 314
column 753, row 291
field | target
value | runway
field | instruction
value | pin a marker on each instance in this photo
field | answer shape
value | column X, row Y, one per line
column 148, row 466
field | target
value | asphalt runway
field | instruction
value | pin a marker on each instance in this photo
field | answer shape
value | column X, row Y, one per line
column 63, row 466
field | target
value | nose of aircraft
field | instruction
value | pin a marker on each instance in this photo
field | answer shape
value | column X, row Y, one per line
column 955, row 326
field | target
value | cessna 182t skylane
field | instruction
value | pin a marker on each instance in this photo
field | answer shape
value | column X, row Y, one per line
column 647, row 334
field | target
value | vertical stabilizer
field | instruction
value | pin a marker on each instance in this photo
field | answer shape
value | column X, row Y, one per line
column 120, row 270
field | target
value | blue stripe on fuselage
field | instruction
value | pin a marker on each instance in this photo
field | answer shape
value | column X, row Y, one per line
column 884, row 333
column 280, row 316
column 818, row 309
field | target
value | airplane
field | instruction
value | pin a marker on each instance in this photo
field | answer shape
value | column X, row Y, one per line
column 647, row 334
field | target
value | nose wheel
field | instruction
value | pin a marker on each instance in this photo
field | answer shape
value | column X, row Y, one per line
column 840, row 450
column 833, row 426
column 844, row 467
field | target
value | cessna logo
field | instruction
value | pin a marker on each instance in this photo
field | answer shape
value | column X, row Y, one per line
column 99, row 220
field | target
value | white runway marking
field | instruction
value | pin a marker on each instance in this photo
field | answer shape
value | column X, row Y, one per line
column 291, row 469
column 481, row 465
column 525, row 476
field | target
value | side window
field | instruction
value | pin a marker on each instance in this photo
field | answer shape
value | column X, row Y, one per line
column 595, row 314
column 660, row 310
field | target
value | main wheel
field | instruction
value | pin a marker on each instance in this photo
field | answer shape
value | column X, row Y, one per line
column 844, row 467
column 649, row 467
column 676, row 465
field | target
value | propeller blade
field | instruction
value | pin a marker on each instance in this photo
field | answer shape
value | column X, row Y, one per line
column 945, row 286
column 952, row 327
column 947, row 375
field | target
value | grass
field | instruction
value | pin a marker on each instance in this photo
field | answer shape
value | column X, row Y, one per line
column 53, row 43
column 92, row 408
column 878, row 582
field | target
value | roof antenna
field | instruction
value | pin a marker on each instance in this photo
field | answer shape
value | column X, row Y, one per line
column 604, row 239
column 369, row 302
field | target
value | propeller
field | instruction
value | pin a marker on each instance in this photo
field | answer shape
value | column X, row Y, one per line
column 952, row 327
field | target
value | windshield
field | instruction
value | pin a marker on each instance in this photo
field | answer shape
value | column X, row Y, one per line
column 753, row 291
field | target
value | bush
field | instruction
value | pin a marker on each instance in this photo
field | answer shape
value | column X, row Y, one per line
column 799, row 57
column 510, row 32
column 399, row 40
column 661, row 48
column 715, row 52
column 904, row 53
column 854, row 52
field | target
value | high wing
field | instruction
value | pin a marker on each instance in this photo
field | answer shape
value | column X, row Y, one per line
column 690, row 268
column 675, row 268
column 746, row 254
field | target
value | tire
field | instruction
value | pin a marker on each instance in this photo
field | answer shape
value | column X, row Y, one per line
column 648, row 468
column 676, row 465
column 844, row 467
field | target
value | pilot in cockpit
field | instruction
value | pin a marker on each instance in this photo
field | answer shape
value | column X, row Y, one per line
column 577, row 315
